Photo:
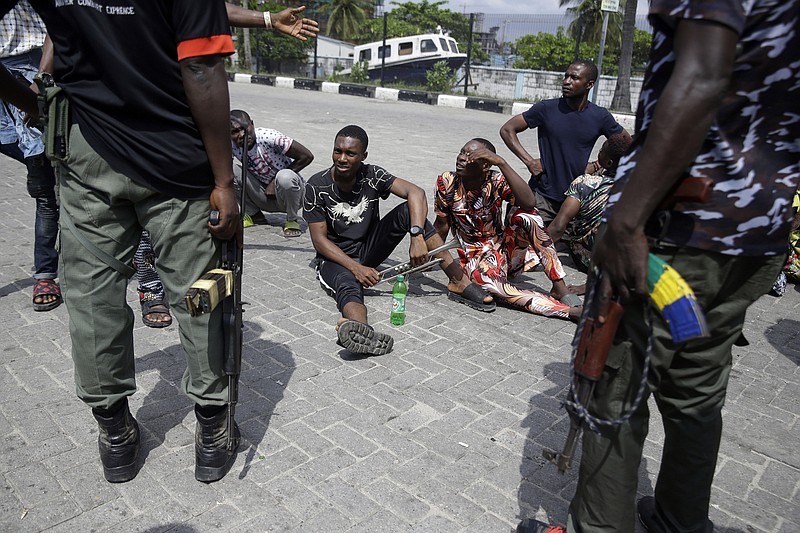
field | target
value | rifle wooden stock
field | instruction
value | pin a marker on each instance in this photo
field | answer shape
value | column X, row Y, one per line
column 689, row 189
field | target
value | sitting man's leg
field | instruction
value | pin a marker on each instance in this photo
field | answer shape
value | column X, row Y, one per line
column 155, row 308
column 354, row 332
column 487, row 268
column 255, row 198
column 289, row 197
column 41, row 185
column 526, row 234
column 393, row 228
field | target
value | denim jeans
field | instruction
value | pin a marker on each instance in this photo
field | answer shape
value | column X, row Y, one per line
column 25, row 145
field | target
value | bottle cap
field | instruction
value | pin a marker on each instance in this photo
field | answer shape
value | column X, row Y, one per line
column 400, row 277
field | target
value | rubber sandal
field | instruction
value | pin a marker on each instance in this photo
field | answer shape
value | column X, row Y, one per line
column 46, row 287
column 358, row 337
column 151, row 305
column 291, row 228
column 473, row 297
column 572, row 300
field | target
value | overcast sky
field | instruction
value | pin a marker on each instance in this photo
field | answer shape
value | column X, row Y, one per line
column 531, row 7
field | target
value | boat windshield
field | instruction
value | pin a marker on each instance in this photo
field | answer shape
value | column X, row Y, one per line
column 454, row 47
column 427, row 45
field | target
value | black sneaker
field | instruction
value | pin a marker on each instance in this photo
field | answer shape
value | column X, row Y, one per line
column 360, row 338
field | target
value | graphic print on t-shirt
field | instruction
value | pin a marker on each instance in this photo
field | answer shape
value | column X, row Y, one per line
column 353, row 214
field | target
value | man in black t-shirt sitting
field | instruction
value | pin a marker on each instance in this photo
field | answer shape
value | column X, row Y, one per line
column 342, row 210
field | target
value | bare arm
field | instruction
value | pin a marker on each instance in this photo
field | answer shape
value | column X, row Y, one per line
column 569, row 209
column 206, row 87
column 287, row 21
column 319, row 238
column 510, row 135
column 46, row 63
column 705, row 53
column 418, row 213
column 523, row 195
column 442, row 225
column 301, row 156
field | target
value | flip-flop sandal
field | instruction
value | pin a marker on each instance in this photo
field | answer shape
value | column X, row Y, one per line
column 572, row 300
column 151, row 305
column 46, row 287
column 291, row 228
column 473, row 297
column 358, row 337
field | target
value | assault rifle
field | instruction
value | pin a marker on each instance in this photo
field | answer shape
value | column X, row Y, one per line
column 224, row 285
column 669, row 293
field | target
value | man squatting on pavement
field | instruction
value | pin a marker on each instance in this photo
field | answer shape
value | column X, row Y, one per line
column 568, row 128
column 24, row 50
column 149, row 148
column 470, row 200
column 720, row 99
column 274, row 161
column 351, row 239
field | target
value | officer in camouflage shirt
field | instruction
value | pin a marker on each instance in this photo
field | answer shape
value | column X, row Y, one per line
column 721, row 99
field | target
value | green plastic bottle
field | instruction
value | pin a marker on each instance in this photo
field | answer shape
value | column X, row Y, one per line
column 399, row 290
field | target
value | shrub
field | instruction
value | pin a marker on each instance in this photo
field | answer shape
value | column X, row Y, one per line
column 440, row 78
column 359, row 73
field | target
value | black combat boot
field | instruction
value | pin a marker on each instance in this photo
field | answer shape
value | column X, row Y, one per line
column 212, row 458
column 118, row 442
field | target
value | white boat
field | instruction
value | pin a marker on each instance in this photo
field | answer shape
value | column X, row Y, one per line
column 409, row 58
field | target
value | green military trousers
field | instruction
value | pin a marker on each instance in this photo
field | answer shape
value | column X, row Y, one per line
column 110, row 210
column 689, row 383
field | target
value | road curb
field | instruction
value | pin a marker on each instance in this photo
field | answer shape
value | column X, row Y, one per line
column 491, row 105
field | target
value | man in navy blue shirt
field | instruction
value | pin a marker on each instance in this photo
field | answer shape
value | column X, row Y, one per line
column 568, row 128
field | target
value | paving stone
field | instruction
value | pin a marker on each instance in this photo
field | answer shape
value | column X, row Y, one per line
column 337, row 442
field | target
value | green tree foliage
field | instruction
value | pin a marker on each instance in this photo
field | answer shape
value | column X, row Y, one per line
column 440, row 78
column 545, row 51
column 274, row 51
column 347, row 17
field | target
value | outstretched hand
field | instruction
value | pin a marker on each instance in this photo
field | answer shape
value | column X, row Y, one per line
column 290, row 23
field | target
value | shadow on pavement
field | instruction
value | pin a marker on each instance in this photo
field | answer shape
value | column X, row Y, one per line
column 784, row 336
column 544, row 493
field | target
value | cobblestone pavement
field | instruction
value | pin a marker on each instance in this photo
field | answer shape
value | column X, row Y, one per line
column 444, row 434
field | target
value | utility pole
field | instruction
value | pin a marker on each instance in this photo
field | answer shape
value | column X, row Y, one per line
column 606, row 7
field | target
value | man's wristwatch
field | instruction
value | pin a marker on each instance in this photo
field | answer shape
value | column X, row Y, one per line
column 414, row 231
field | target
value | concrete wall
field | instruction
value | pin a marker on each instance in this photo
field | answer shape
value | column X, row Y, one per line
column 534, row 85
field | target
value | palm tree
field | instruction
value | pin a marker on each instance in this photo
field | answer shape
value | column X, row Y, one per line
column 588, row 23
column 346, row 17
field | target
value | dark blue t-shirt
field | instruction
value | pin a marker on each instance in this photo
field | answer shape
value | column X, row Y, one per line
column 566, row 139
